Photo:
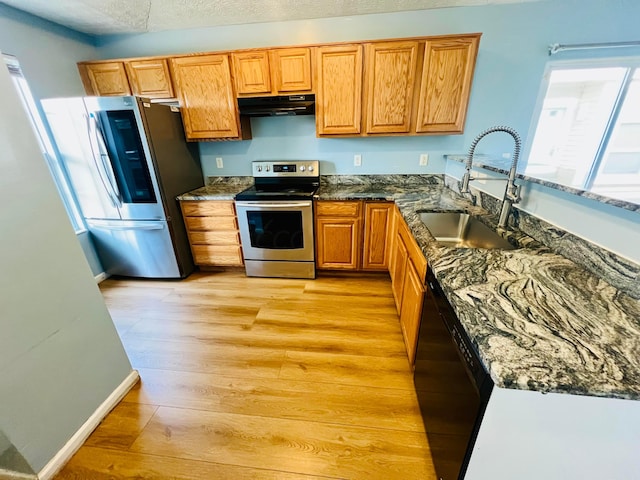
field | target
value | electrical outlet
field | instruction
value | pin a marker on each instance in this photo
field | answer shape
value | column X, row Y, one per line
column 357, row 160
column 219, row 162
column 424, row 159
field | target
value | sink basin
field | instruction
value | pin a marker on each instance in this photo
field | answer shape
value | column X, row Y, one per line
column 460, row 230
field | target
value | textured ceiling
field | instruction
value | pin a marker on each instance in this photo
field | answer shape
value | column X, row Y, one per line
column 102, row 17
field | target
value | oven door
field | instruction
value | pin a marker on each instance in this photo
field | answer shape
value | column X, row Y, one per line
column 276, row 230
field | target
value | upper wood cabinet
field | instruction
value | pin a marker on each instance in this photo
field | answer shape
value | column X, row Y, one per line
column 447, row 75
column 411, row 86
column 150, row 78
column 104, row 79
column 143, row 77
column 276, row 72
column 291, row 69
column 252, row 72
column 339, row 90
column 390, row 74
column 204, row 88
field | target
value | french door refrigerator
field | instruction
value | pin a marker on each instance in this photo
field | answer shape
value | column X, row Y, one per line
column 127, row 160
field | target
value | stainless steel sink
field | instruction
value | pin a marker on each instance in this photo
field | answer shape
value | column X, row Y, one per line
column 460, row 230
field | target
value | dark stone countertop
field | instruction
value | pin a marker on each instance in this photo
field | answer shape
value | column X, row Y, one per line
column 538, row 321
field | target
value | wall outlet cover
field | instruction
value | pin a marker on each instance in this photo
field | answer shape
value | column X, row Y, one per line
column 424, row 159
column 219, row 162
column 357, row 160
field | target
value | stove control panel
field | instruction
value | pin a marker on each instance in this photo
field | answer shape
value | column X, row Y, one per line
column 286, row 168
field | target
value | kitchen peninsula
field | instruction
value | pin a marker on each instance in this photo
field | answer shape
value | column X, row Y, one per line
column 560, row 343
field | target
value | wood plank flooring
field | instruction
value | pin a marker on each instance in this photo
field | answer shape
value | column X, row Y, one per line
column 249, row 378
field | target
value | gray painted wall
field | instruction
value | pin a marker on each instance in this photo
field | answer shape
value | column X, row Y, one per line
column 511, row 61
column 60, row 355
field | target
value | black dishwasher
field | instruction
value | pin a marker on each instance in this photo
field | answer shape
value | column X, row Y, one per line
column 452, row 385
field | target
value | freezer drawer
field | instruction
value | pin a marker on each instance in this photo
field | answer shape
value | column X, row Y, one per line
column 135, row 248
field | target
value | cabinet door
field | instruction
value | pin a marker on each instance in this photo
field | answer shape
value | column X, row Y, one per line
column 339, row 90
column 412, row 299
column 337, row 243
column 252, row 72
column 446, row 84
column 377, row 230
column 150, row 78
column 203, row 85
column 390, row 73
column 106, row 79
column 291, row 69
column 397, row 270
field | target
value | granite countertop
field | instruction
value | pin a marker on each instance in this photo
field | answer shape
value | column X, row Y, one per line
column 218, row 188
column 538, row 321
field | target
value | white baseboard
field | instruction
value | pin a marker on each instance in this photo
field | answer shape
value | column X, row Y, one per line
column 75, row 442
column 101, row 277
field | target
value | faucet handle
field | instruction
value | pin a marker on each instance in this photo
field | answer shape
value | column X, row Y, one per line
column 514, row 193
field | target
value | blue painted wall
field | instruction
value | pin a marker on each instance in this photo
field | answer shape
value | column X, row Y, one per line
column 513, row 54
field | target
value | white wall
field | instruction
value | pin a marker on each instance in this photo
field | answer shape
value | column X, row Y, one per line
column 60, row 355
column 529, row 435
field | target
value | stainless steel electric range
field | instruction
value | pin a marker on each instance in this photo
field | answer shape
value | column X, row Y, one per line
column 275, row 217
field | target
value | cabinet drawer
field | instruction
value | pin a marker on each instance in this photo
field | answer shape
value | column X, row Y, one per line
column 222, row 237
column 211, row 223
column 338, row 209
column 217, row 255
column 205, row 208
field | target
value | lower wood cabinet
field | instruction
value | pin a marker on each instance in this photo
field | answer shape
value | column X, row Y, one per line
column 213, row 232
column 338, row 235
column 353, row 235
column 408, row 269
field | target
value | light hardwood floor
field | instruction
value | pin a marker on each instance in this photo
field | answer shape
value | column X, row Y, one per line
column 249, row 378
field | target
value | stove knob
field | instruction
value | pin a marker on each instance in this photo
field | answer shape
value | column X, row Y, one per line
column 267, row 168
column 259, row 168
column 302, row 168
column 311, row 168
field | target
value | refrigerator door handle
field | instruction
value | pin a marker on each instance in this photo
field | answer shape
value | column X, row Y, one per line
column 95, row 133
column 129, row 226
column 94, row 155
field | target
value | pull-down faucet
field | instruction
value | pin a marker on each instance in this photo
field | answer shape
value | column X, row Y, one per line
column 512, row 191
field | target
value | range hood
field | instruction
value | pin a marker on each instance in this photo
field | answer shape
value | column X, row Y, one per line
column 277, row 106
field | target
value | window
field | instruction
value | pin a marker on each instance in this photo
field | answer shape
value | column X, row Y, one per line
column 44, row 141
column 587, row 133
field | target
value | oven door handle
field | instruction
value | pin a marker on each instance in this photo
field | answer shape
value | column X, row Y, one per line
column 273, row 204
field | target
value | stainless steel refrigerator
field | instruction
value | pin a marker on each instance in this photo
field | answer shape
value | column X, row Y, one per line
column 127, row 160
